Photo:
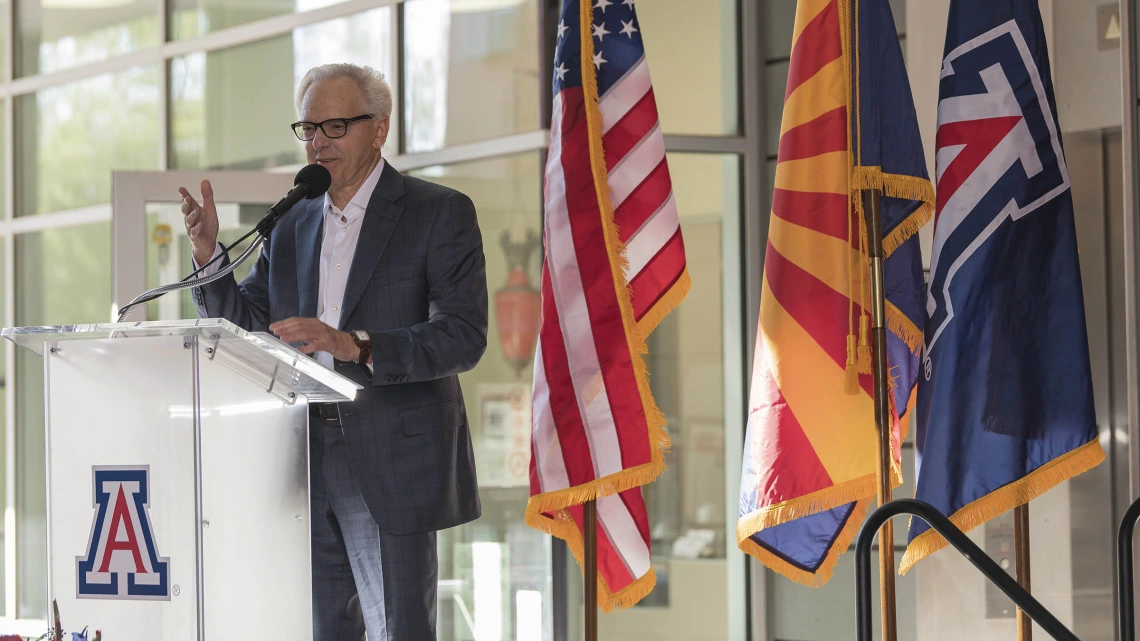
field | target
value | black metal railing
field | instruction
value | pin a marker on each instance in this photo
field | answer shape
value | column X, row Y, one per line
column 1125, row 578
column 992, row 571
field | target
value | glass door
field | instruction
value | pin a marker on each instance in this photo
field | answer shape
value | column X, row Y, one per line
column 150, row 243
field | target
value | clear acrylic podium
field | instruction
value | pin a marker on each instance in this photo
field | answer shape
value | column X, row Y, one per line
column 178, row 478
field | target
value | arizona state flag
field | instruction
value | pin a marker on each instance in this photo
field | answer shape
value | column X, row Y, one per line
column 848, row 125
column 1005, row 404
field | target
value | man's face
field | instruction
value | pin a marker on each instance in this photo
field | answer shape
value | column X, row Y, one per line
column 350, row 158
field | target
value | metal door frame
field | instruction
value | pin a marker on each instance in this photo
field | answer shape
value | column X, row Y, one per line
column 132, row 190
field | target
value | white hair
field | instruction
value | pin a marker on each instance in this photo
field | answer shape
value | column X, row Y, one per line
column 377, row 92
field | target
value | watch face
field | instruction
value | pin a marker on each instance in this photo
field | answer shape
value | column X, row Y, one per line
column 360, row 334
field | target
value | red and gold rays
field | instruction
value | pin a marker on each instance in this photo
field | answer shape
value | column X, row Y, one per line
column 807, row 276
column 818, row 438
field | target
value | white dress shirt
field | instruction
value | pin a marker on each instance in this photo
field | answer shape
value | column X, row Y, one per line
column 338, row 246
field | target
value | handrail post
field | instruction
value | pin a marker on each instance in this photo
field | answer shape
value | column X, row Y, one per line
column 1125, row 577
column 990, row 569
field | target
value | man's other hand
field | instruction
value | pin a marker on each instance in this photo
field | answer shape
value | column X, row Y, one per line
column 315, row 336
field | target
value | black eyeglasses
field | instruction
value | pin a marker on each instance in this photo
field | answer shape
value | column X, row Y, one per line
column 333, row 127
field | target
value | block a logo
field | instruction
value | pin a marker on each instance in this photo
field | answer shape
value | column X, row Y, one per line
column 998, row 157
column 122, row 560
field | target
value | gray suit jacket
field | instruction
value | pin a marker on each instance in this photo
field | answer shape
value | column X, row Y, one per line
column 418, row 285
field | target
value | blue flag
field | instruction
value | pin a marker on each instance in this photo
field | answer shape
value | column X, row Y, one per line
column 1005, row 399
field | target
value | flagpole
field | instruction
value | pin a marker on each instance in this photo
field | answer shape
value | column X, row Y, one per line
column 882, row 412
column 590, row 568
column 1021, row 560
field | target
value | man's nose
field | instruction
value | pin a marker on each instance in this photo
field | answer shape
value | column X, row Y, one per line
column 320, row 140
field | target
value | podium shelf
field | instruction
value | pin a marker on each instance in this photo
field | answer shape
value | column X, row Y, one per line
column 258, row 355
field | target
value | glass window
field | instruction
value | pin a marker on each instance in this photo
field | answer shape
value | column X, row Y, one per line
column 59, row 34
column 771, row 177
column 69, row 138
column 686, row 367
column 793, row 608
column 779, row 19
column 4, row 346
column 898, row 10
column 1095, row 160
column 470, row 71
column 693, row 59
column 192, row 18
column 63, row 276
column 800, row 613
column 5, row 34
column 4, row 213
column 775, row 84
column 495, row 573
column 231, row 108
column 781, row 16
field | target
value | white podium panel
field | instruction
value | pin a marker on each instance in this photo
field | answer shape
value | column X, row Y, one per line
column 255, row 498
column 121, row 488
column 178, row 478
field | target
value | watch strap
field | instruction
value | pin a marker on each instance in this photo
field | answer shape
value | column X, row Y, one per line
column 365, row 346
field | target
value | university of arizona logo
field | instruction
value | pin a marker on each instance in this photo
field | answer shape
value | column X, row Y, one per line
column 122, row 560
column 998, row 157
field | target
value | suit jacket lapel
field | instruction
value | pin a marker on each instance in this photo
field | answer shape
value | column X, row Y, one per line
column 384, row 209
column 310, row 235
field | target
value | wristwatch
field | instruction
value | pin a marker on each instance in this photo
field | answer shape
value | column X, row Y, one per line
column 364, row 342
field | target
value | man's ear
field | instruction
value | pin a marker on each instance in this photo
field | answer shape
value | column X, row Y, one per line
column 381, row 133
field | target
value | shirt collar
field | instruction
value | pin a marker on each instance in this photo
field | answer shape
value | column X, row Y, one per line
column 359, row 203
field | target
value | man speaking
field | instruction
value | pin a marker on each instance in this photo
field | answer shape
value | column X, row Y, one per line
column 384, row 281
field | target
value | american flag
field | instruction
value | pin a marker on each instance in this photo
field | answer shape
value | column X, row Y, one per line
column 615, row 266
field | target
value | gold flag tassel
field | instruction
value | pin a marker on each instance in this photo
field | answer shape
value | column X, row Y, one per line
column 851, row 371
column 864, row 352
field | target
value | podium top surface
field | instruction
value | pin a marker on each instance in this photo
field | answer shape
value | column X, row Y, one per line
column 258, row 354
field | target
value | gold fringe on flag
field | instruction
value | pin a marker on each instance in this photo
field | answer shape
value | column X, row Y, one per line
column 860, row 491
column 826, row 567
column 901, row 326
column 895, row 186
column 808, row 504
column 1006, row 498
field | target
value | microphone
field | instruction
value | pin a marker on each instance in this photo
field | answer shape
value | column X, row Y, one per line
column 311, row 182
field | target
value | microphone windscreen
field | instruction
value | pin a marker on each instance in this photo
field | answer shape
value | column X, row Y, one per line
column 316, row 177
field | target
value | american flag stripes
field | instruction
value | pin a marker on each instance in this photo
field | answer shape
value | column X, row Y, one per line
column 615, row 266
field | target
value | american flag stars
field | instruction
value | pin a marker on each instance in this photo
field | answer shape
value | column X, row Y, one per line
column 617, row 44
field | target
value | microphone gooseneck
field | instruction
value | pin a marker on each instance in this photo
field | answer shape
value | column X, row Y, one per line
column 312, row 181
